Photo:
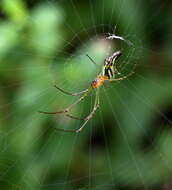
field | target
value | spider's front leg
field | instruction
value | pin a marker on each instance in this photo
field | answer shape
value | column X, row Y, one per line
column 71, row 94
column 87, row 91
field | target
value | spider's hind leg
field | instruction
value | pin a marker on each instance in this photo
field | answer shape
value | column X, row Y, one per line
column 121, row 78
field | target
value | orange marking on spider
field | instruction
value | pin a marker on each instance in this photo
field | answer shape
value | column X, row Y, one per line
column 99, row 81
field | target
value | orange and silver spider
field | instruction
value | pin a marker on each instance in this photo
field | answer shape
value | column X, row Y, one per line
column 108, row 74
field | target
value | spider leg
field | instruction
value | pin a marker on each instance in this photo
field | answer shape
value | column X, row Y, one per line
column 116, row 69
column 97, row 67
column 71, row 106
column 71, row 94
column 80, row 99
column 96, row 106
column 121, row 78
column 91, row 60
column 56, row 112
column 74, row 117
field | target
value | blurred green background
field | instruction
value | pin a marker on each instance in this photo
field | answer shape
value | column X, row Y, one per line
column 127, row 144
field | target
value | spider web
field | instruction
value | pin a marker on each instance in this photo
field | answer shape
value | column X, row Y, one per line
column 117, row 149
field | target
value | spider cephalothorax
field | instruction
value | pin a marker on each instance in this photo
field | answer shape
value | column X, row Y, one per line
column 107, row 74
column 99, row 81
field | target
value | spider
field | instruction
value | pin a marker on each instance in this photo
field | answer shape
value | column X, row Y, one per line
column 108, row 74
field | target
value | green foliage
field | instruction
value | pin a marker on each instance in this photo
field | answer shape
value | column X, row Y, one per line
column 45, row 43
